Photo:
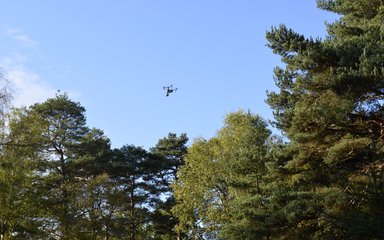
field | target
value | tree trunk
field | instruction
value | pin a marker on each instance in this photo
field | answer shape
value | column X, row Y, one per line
column 132, row 211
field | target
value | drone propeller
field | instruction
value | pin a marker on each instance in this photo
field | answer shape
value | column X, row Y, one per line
column 168, row 87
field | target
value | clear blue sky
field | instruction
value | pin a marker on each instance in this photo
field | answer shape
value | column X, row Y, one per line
column 115, row 56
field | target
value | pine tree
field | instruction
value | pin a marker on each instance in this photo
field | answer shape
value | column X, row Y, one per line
column 133, row 192
column 330, row 106
column 62, row 157
column 167, row 158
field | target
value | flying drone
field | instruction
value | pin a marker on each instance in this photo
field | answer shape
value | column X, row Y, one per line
column 168, row 90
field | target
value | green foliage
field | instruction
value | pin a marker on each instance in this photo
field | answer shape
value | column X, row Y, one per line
column 345, row 149
column 16, row 195
column 326, row 182
column 54, row 152
column 330, row 105
column 228, row 170
column 166, row 159
column 59, row 179
column 133, row 191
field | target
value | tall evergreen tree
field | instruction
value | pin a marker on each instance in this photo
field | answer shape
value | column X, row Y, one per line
column 64, row 127
column 92, row 174
column 133, row 194
column 330, row 106
column 167, row 158
column 64, row 153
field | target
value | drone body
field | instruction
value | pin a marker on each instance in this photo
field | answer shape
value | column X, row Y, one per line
column 168, row 90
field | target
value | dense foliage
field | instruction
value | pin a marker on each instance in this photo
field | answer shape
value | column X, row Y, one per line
column 327, row 180
column 322, row 179
column 61, row 180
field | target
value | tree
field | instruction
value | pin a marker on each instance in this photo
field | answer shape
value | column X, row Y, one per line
column 18, row 207
column 16, row 176
column 94, row 186
column 167, row 158
column 330, row 106
column 134, row 192
column 221, row 181
column 63, row 129
column 64, row 157
column 5, row 90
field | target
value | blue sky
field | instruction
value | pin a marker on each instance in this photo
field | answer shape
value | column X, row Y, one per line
column 114, row 57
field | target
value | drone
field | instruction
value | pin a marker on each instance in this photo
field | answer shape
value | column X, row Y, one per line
column 168, row 90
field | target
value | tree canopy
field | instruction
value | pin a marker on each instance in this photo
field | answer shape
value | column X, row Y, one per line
column 326, row 180
column 323, row 178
